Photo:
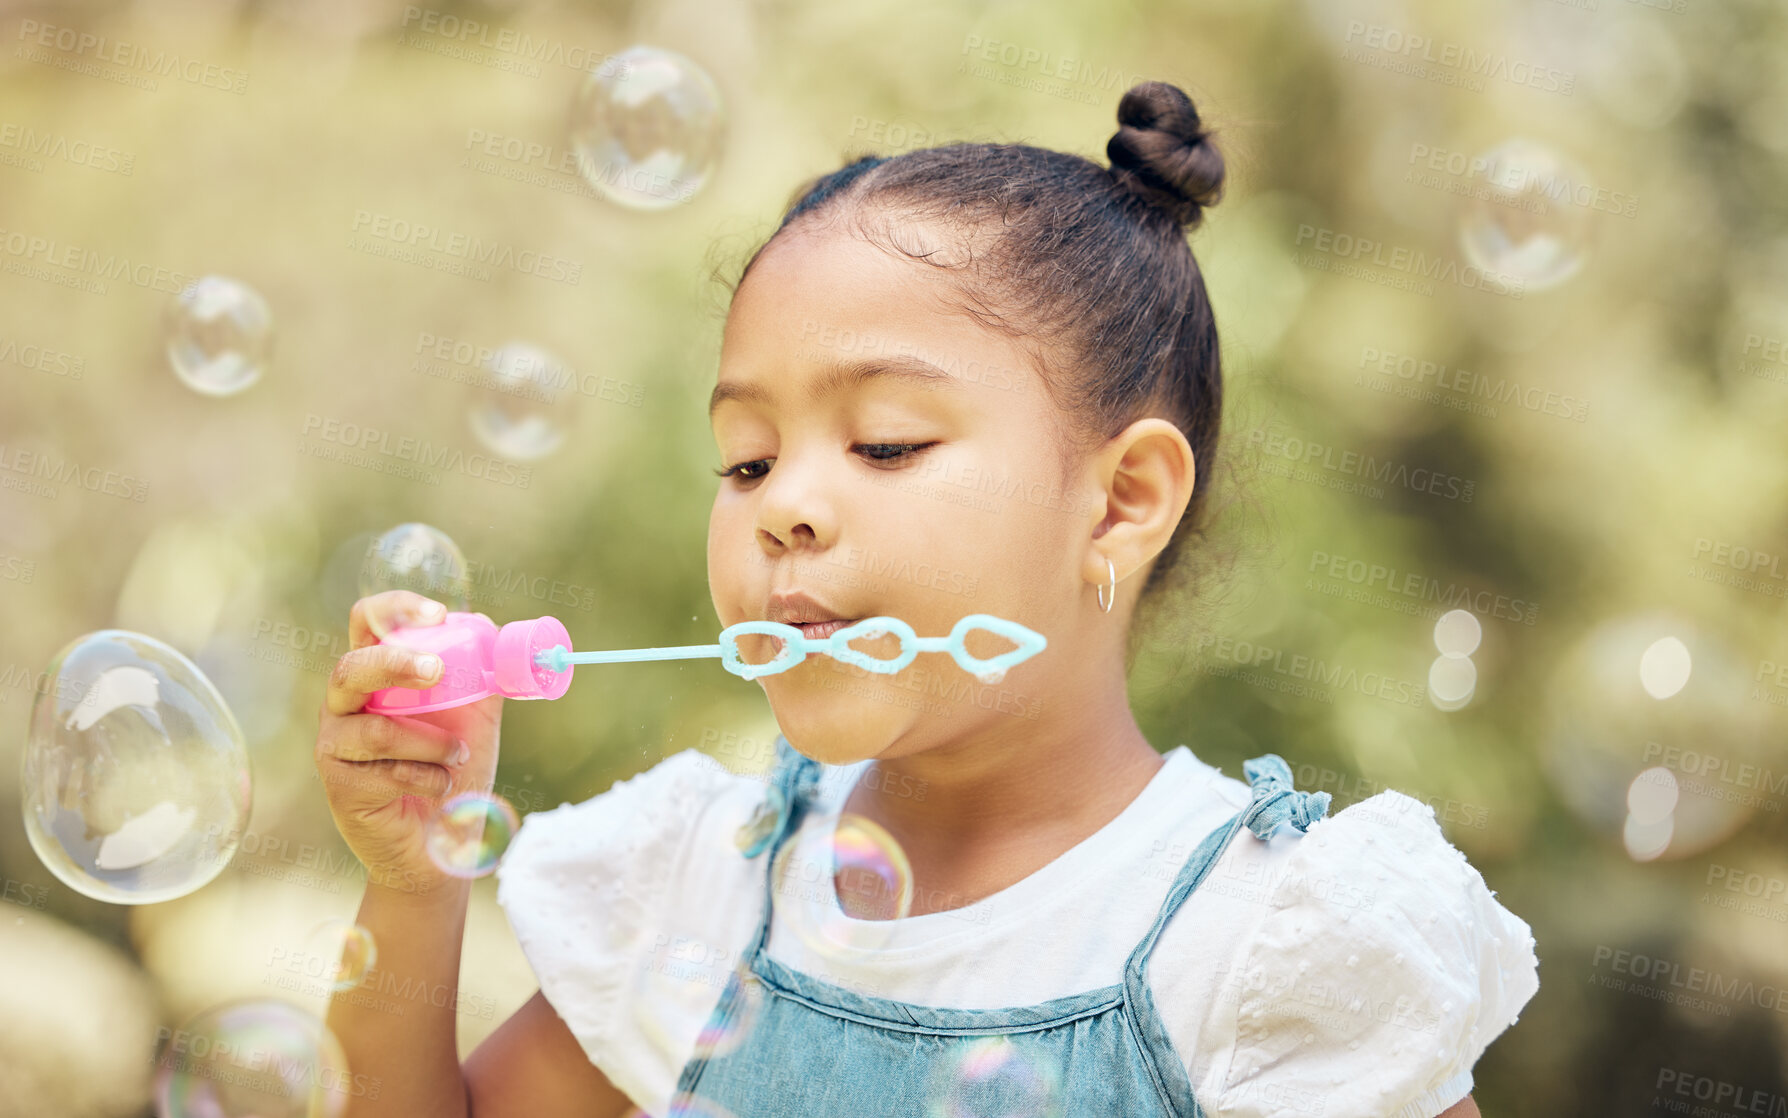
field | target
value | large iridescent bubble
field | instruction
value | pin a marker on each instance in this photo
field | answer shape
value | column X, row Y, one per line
column 136, row 781
column 260, row 1058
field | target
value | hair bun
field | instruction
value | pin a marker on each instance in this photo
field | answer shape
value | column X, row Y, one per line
column 1162, row 154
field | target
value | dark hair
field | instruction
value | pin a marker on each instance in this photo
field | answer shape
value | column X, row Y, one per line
column 1090, row 261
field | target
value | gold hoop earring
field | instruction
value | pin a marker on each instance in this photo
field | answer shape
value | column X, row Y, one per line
column 1105, row 605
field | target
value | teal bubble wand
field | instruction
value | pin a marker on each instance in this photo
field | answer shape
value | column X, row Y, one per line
column 533, row 659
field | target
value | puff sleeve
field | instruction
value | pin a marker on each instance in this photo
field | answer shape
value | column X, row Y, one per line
column 1382, row 971
column 632, row 908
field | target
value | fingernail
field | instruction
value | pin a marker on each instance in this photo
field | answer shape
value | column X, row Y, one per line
column 433, row 611
column 428, row 665
column 463, row 754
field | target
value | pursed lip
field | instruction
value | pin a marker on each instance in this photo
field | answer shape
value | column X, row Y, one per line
column 800, row 608
column 820, row 630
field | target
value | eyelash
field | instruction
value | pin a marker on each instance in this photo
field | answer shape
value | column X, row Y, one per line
column 906, row 451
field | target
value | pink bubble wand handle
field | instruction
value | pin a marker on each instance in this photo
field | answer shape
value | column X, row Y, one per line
column 477, row 660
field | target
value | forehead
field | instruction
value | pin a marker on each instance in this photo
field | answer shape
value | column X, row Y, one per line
column 848, row 312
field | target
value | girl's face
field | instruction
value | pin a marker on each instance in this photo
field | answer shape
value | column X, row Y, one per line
column 837, row 358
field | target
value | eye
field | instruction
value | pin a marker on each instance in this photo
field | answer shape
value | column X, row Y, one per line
column 875, row 452
column 736, row 467
column 879, row 452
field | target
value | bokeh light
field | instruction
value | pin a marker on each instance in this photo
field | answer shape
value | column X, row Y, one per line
column 1607, row 727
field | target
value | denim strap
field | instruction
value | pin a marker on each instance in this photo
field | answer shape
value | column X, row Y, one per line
column 1274, row 801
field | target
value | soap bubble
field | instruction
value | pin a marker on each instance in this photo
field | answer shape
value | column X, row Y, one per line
column 994, row 1077
column 647, row 127
column 513, row 413
column 467, row 836
column 1522, row 222
column 716, row 1040
column 339, row 953
column 220, row 332
column 417, row 557
column 686, row 1105
column 1608, row 737
column 259, row 1058
column 136, row 778
column 842, row 882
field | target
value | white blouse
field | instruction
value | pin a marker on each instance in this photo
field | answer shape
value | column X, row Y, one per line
column 1360, row 968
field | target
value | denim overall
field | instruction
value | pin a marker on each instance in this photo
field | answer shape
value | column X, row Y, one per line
column 817, row 1050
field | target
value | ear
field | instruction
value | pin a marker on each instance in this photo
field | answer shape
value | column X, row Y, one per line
column 1146, row 473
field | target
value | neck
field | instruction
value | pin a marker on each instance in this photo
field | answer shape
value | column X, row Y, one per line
column 984, row 810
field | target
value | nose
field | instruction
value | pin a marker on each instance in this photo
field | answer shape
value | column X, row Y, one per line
column 795, row 512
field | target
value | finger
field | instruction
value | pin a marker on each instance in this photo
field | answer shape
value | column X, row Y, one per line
column 376, row 737
column 361, row 672
column 375, row 783
column 372, row 617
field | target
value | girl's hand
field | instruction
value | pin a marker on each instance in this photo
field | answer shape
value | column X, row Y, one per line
column 386, row 775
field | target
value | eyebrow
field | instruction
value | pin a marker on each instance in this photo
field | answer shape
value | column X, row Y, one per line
column 839, row 376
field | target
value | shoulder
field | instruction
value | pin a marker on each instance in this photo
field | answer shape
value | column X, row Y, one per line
column 632, row 907
column 1369, row 968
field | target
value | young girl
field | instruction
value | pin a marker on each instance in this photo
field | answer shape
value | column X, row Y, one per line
column 980, row 378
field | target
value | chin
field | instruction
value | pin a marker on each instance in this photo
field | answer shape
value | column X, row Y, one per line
column 833, row 731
